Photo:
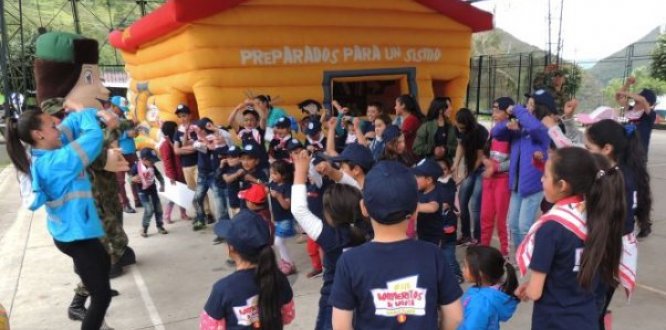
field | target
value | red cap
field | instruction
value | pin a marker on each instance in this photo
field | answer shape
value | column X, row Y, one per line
column 255, row 194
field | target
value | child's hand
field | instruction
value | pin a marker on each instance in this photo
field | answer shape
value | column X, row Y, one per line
column 513, row 125
column 489, row 168
column 631, row 80
column 275, row 194
column 538, row 156
column 301, row 162
column 521, row 292
column 357, row 123
column 136, row 179
column 332, row 123
column 439, row 152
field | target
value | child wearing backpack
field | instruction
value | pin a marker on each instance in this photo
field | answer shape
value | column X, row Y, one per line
column 577, row 244
column 393, row 282
column 490, row 299
column 257, row 295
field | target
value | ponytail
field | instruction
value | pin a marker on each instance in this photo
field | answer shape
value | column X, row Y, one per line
column 511, row 280
column 19, row 132
column 486, row 264
column 606, row 210
column 267, row 276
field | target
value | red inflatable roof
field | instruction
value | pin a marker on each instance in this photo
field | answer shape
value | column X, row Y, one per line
column 175, row 14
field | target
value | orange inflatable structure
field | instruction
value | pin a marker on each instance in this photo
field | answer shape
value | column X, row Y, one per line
column 212, row 54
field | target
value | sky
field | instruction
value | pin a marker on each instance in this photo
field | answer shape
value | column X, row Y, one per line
column 591, row 29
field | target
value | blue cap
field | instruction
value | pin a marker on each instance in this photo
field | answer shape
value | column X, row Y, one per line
column 390, row 193
column 233, row 151
column 283, row 122
column 149, row 154
column 356, row 154
column 313, row 127
column 247, row 232
column 390, row 133
column 120, row 102
column 182, row 108
column 649, row 96
column 504, row 102
column 428, row 167
column 253, row 150
column 294, row 144
column 543, row 97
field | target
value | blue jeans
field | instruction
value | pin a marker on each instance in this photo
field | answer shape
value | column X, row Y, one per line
column 151, row 205
column 205, row 182
column 325, row 315
column 522, row 214
column 470, row 204
column 449, row 250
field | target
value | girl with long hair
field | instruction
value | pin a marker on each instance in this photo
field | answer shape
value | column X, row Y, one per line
column 577, row 244
column 409, row 118
column 472, row 139
column 257, row 295
column 60, row 183
column 437, row 136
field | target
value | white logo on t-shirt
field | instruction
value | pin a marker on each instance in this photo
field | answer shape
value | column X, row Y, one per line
column 249, row 314
column 401, row 297
column 579, row 255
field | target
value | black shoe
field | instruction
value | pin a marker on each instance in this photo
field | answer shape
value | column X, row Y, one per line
column 231, row 262
column 198, row 225
column 138, row 204
column 77, row 309
column 210, row 219
column 644, row 232
column 128, row 209
column 128, row 257
column 115, row 271
column 114, row 293
column 218, row 240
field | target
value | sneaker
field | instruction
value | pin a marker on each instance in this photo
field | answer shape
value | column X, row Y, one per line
column 210, row 219
column 314, row 272
column 231, row 262
column 128, row 257
column 128, row 209
column 645, row 232
column 144, row 232
column 463, row 240
column 138, row 204
column 218, row 240
column 286, row 268
column 162, row 231
column 198, row 225
column 115, row 270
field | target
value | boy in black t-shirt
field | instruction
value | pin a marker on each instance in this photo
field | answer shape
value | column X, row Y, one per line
column 277, row 148
column 250, row 171
column 394, row 282
column 233, row 166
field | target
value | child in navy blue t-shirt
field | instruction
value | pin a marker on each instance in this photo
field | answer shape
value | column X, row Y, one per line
column 338, row 226
column 576, row 244
column 277, row 148
column 251, row 171
column 257, row 293
column 280, row 190
column 231, row 176
column 490, row 300
column 434, row 221
column 394, row 282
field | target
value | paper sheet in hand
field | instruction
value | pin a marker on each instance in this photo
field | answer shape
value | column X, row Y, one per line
column 179, row 193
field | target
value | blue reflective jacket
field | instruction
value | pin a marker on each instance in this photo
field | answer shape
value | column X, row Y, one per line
column 60, row 181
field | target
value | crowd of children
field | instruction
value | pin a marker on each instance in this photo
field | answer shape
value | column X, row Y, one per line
column 380, row 202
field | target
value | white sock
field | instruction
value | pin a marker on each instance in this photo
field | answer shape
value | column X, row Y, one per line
column 281, row 246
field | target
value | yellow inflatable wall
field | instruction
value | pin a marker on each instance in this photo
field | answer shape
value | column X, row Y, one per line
column 284, row 47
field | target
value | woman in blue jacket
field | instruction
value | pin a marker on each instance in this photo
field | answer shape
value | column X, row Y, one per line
column 60, row 182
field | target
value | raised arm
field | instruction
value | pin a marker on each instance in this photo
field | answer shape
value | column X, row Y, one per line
column 310, row 223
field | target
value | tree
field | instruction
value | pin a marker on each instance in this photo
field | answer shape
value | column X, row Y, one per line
column 658, row 68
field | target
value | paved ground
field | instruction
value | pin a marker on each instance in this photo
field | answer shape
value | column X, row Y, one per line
column 170, row 283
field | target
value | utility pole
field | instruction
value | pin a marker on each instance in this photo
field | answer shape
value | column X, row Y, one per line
column 75, row 15
column 560, row 43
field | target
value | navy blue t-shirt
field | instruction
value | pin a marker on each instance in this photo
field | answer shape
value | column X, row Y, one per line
column 367, row 126
column 186, row 160
column 631, row 195
column 321, row 147
column 448, row 196
column 332, row 241
column 644, row 126
column 278, row 149
column 258, row 174
column 234, row 187
column 235, row 298
column 398, row 285
column 209, row 161
column 564, row 304
column 430, row 226
column 280, row 213
column 316, row 197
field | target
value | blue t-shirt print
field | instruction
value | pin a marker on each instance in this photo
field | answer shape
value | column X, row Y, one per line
column 398, row 285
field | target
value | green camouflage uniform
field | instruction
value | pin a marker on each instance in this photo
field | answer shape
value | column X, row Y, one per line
column 105, row 192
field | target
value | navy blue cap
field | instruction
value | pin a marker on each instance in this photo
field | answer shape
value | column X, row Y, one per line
column 247, row 232
column 649, row 96
column 283, row 122
column 149, row 154
column 182, row 108
column 313, row 127
column 390, row 192
column 428, row 167
column 253, row 150
column 201, row 123
column 318, row 157
column 356, row 154
column 294, row 144
column 391, row 132
column 543, row 97
column 233, row 151
column 504, row 102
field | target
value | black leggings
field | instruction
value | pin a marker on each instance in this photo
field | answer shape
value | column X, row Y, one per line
column 92, row 263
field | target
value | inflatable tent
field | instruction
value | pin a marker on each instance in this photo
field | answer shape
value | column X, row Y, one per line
column 212, row 54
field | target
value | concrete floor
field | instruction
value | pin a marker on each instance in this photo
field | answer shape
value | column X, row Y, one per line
column 169, row 286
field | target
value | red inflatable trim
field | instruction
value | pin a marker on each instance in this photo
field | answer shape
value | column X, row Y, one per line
column 174, row 14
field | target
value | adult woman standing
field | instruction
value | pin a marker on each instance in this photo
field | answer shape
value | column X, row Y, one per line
column 472, row 139
column 60, row 183
column 437, row 136
column 409, row 118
